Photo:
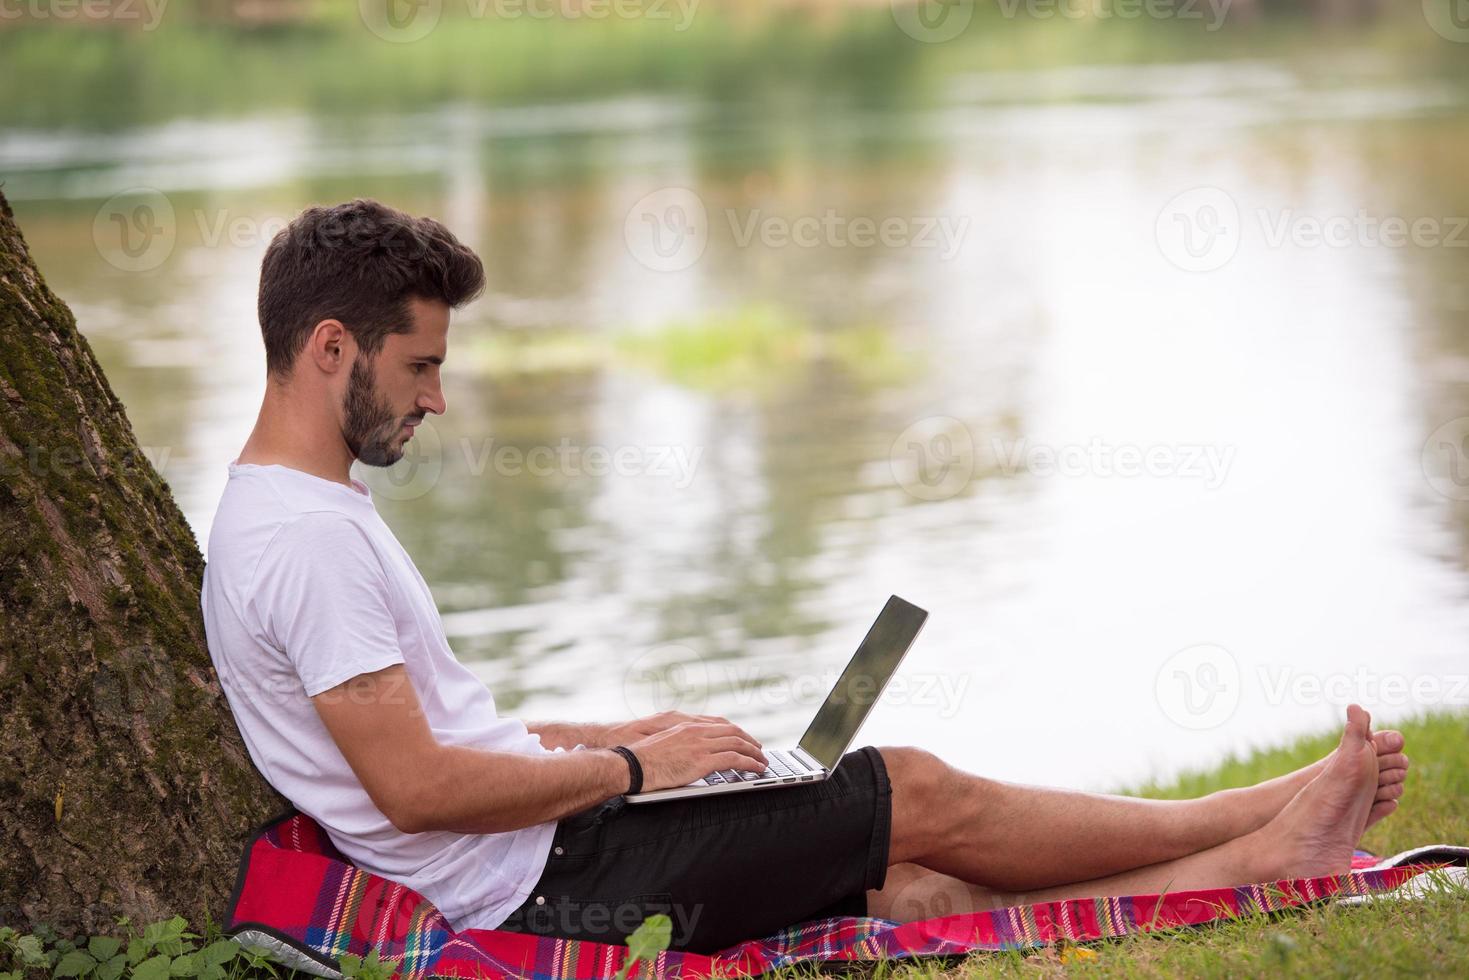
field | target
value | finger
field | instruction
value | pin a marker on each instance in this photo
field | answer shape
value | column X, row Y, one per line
column 737, row 760
column 715, row 730
column 733, row 743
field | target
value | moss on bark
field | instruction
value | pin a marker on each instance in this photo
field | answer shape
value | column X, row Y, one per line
column 127, row 787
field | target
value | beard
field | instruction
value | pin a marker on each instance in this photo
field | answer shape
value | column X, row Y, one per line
column 369, row 425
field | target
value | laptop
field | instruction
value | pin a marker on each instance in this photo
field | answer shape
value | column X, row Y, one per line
column 836, row 723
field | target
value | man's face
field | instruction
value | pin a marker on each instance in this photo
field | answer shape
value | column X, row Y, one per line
column 391, row 393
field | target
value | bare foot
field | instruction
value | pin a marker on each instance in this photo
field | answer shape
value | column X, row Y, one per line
column 1317, row 831
column 1273, row 795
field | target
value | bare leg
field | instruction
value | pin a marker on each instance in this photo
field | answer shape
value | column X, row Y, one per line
column 1314, row 834
column 1017, row 838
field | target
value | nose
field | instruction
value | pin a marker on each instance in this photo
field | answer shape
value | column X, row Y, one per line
column 433, row 400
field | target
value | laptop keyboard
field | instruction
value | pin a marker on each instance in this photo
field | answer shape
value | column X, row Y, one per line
column 781, row 765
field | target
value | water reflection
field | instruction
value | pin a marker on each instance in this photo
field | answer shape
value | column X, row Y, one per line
column 1290, row 390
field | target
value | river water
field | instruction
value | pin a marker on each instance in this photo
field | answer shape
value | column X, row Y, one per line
column 1153, row 391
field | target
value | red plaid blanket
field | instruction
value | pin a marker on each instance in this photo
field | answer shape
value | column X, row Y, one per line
column 298, row 895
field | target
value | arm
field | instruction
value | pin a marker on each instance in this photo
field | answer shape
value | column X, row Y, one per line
column 568, row 735
column 422, row 785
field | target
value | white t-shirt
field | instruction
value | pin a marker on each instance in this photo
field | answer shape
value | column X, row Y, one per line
column 306, row 587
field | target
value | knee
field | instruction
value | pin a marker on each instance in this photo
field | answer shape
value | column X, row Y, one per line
column 918, row 777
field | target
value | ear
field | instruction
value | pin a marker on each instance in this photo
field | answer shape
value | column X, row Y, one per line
column 330, row 346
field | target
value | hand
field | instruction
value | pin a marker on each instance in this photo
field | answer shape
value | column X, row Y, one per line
column 627, row 732
column 693, row 749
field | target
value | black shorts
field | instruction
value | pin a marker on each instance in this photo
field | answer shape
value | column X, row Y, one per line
column 724, row 868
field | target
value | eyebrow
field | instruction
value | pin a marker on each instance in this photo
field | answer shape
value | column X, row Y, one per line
column 430, row 358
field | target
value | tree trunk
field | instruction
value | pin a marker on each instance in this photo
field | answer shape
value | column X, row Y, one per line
column 126, row 786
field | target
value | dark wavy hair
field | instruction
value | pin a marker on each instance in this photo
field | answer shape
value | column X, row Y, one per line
column 359, row 263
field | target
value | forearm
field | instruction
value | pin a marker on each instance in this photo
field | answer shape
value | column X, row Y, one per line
column 568, row 735
column 471, row 791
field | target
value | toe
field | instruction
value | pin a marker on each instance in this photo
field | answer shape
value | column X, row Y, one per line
column 1391, row 762
column 1388, row 742
column 1381, row 809
column 1392, row 791
column 1387, row 777
column 1359, row 724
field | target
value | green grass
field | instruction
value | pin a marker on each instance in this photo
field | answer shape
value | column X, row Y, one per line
column 1427, row 937
column 1423, row 938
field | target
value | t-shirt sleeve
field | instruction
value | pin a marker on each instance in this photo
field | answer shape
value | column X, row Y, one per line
column 323, row 597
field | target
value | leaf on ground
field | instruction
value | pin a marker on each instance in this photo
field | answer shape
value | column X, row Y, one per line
column 74, row 964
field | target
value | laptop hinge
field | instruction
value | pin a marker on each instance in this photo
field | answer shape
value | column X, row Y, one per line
column 806, row 758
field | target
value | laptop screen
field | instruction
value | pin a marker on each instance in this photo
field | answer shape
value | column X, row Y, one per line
column 863, row 682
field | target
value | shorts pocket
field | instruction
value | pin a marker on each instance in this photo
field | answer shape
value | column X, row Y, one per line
column 579, row 836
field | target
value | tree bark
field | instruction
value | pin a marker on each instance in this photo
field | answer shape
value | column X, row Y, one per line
column 126, row 786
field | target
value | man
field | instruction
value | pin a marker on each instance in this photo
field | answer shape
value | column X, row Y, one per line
column 352, row 705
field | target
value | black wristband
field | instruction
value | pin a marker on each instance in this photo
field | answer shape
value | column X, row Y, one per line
column 633, row 765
